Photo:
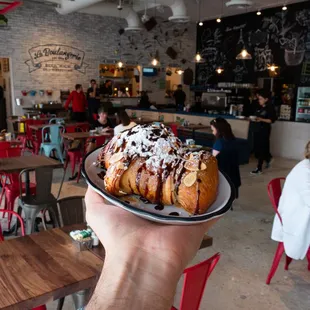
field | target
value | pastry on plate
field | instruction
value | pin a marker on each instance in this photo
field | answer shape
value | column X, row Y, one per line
column 149, row 161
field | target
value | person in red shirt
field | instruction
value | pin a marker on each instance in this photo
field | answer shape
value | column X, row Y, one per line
column 79, row 103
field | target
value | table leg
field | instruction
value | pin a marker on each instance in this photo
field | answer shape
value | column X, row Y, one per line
column 61, row 184
column 27, row 182
column 80, row 299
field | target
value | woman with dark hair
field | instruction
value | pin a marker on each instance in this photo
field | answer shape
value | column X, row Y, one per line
column 225, row 150
column 125, row 123
column 261, row 127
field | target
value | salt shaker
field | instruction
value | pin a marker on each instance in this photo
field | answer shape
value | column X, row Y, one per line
column 95, row 239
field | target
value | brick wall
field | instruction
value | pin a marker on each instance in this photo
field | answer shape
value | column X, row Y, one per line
column 36, row 24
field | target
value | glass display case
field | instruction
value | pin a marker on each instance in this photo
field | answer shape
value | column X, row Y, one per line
column 303, row 104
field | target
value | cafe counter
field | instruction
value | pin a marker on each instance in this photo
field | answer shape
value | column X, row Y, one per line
column 288, row 139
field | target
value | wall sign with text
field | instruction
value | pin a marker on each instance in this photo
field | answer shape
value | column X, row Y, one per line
column 56, row 58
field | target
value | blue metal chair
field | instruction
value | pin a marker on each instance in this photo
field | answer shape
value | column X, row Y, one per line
column 56, row 120
column 52, row 140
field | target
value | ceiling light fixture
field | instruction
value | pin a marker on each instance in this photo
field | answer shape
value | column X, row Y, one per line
column 179, row 71
column 244, row 55
column 200, row 24
column 218, row 20
column 219, row 70
column 154, row 62
column 120, row 64
column 284, row 8
column 259, row 13
column 272, row 67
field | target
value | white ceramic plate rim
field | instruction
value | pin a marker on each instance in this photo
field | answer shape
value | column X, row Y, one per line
column 195, row 219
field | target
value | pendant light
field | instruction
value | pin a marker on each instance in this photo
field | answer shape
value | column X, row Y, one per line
column 259, row 13
column 284, row 8
column 120, row 64
column 272, row 67
column 244, row 54
column 200, row 22
column 219, row 70
column 155, row 60
column 219, row 20
column 198, row 58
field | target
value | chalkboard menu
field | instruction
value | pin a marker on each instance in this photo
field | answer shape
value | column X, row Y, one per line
column 275, row 37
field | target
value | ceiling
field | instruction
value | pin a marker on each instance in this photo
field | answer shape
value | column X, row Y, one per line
column 210, row 9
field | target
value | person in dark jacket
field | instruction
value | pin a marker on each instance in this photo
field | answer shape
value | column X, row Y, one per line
column 180, row 98
column 144, row 101
column 226, row 151
column 261, row 127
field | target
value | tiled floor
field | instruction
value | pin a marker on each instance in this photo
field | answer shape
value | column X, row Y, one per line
column 243, row 239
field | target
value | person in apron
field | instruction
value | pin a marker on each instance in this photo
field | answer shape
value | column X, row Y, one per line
column 261, row 127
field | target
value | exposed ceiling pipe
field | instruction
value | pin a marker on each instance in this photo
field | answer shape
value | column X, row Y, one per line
column 110, row 9
column 67, row 7
column 178, row 8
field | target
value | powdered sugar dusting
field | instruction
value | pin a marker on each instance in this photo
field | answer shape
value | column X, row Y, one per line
column 157, row 145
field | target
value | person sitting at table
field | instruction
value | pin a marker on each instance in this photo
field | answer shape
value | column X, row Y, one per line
column 125, row 122
column 103, row 121
column 79, row 103
column 225, row 150
column 293, row 229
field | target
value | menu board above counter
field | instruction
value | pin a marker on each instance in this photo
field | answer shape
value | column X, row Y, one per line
column 276, row 37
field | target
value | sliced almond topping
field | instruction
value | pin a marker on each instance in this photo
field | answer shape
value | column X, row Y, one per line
column 192, row 165
column 190, row 179
column 203, row 166
column 116, row 157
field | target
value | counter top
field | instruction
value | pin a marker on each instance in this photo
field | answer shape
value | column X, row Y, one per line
column 186, row 113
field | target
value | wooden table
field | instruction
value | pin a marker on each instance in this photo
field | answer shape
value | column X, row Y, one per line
column 84, row 135
column 99, row 251
column 23, row 120
column 43, row 267
column 41, row 126
column 17, row 164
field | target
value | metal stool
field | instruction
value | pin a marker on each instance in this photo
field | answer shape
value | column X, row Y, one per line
column 32, row 205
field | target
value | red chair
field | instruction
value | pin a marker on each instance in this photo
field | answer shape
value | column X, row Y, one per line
column 32, row 141
column 21, row 222
column 195, row 280
column 10, row 182
column 274, row 193
column 100, row 140
column 73, row 156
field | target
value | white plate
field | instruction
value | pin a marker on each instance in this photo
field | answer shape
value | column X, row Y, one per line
column 141, row 207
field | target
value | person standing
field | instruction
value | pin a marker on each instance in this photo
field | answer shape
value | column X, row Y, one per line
column 79, row 103
column 106, row 89
column 261, row 127
column 93, row 98
column 225, row 150
column 180, row 98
